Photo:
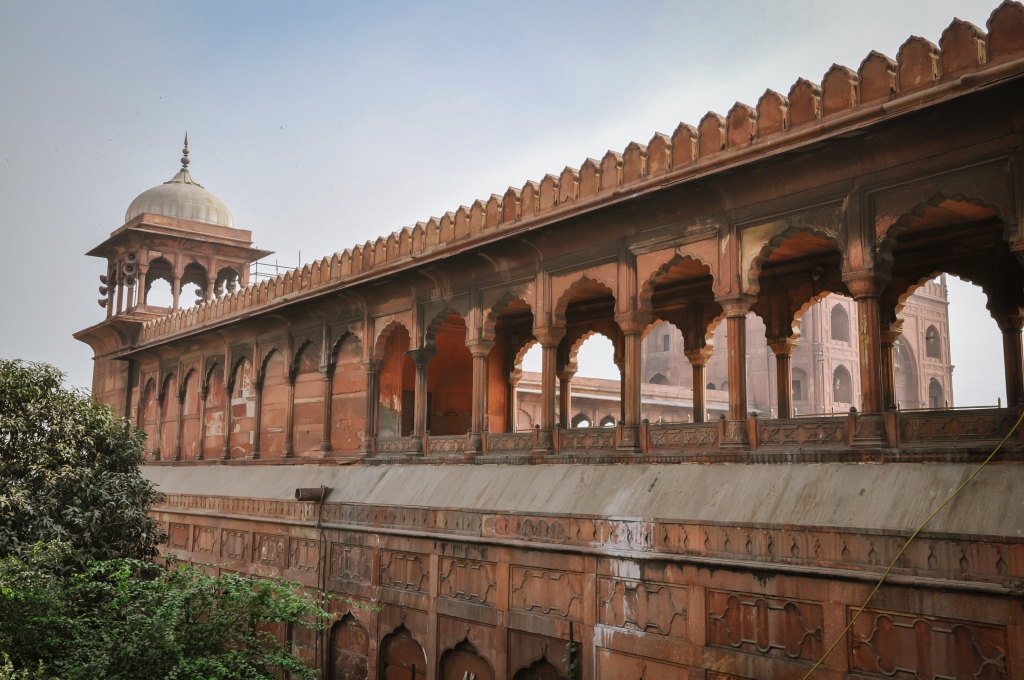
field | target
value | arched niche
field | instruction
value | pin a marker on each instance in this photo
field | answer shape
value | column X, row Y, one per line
column 463, row 662
column 402, row 657
column 349, row 651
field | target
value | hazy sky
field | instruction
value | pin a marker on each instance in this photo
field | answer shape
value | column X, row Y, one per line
column 324, row 125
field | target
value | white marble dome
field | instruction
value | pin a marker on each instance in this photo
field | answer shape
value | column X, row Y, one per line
column 182, row 197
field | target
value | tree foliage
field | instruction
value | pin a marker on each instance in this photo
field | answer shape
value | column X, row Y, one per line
column 69, row 470
column 128, row 619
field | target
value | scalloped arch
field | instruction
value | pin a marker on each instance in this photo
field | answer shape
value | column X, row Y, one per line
column 754, row 272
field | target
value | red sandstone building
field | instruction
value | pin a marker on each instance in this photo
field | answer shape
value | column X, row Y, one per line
column 724, row 548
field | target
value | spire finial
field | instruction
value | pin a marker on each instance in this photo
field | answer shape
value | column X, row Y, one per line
column 184, row 158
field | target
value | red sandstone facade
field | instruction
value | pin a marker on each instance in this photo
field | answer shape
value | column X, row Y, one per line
column 731, row 549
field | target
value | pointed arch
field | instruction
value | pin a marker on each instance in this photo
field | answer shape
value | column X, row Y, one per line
column 513, row 301
column 582, row 288
column 817, row 239
column 382, row 337
column 693, row 265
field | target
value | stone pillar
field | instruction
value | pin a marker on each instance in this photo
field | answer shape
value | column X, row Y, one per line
column 736, row 333
column 565, row 396
column 201, row 449
column 632, row 377
column 140, row 300
column 325, row 437
column 229, row 387
column 180, row 424
column 699, row 364
column 1013, row 362
column 421, row 359
column 478, row 416
column 372, row 367
column 120, row 296
column 289, row 417
column 887, row 347
column 159, row 419
column 176, row 291
column 783, row 351
column 866, row 288
column 513, row 400
column 258, row 419
column 548, row 339
column 209, row 288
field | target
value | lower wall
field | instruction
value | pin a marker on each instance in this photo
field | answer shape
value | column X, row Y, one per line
column 501, row 598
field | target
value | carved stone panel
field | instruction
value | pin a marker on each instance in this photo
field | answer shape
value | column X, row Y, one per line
column 467, row 580
column 351, row 562
column 270, row 550
column 204, row 540
column 587, row 439
column 653, row 608
column 304, row 554
column 178, row 536
column 803, row 432
column 234, row 544
column 407, row 571
column 676, row 436
column 950, row 426
column 772, row 626
column 898, row 645
column 509, row 442
column 552, row 593
column 629, row 667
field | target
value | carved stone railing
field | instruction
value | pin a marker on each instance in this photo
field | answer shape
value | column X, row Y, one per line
column 670, row 437
column 799, row 432
column 508, row 443
column 448, row 445
column 954, row 426
column 587, row 440
column 392, row 446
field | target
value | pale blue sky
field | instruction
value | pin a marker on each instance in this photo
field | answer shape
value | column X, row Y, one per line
column 326, row 124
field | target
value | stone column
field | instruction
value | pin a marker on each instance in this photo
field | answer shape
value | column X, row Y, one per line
column 159, row 419
column 421, row 359
column 699, row 364
column 180, row 424
column 632, row 377
column 201, row 449
column 140, row 300
column 325, row 437
column 289, row 417
column 887, row 347
column 548, row 339
column 479, row 350
column 372, row 367
column 258, row 419
column 176, row 291
column 783, row 351
column 229, row 387
column 513, row 400
column 1013, row 363
column 565, row 396
column 736, row 334
column 866, row 289
column 120, row 296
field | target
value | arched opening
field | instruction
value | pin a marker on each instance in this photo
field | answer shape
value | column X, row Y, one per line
column 906, row 369
column 596, row 384
column 464, row 662
column 397, row 381
column 936, row 395
column 839, row 322
column 842, row 386
column 212, row 431
column 169, row 406
column 658, row 379
column 243, row 410
column 190, row 417
column 580, row 420
column 402, row 657
column 159, row 284
column 760, row 365
column 539, row 670
column 711, row 386
column 193, row 285
column 273, row 405
column 348, row 396
column 450, row 380
column 932, row 348
column 227, row 282
column 525, row 379
column 308, row 413
column 607, row 421
column 350, row 650
column 510, row 325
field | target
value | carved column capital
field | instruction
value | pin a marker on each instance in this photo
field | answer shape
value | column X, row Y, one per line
column 1009, row 320
column 736, row 306
column 699, row 357
column 549, row 336
column 784, row 346
column 633, row 323
column 480, row 348
column 865, row 283
column 423, row 355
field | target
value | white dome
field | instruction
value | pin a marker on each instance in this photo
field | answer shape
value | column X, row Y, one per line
column 184, row 198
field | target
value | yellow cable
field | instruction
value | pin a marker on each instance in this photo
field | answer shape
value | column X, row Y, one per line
column 878, row 585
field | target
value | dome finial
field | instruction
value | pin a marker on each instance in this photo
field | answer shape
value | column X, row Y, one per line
column 184, row 159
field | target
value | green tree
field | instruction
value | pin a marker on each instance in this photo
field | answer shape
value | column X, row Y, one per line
column 69, row 470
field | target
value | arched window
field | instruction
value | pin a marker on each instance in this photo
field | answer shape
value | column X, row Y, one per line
column 665, row 343
column 931, row 343
column 350, row 649
column 580, row 420
column 800, row 384
column 401, row 656
column 608, row 421
column 711, row 386
column 842, row 386
column 464, row 661
column 658, row 379
column 936, row 396
column 840, row 323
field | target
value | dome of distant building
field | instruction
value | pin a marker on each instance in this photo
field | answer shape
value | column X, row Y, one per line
column 182, row 197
